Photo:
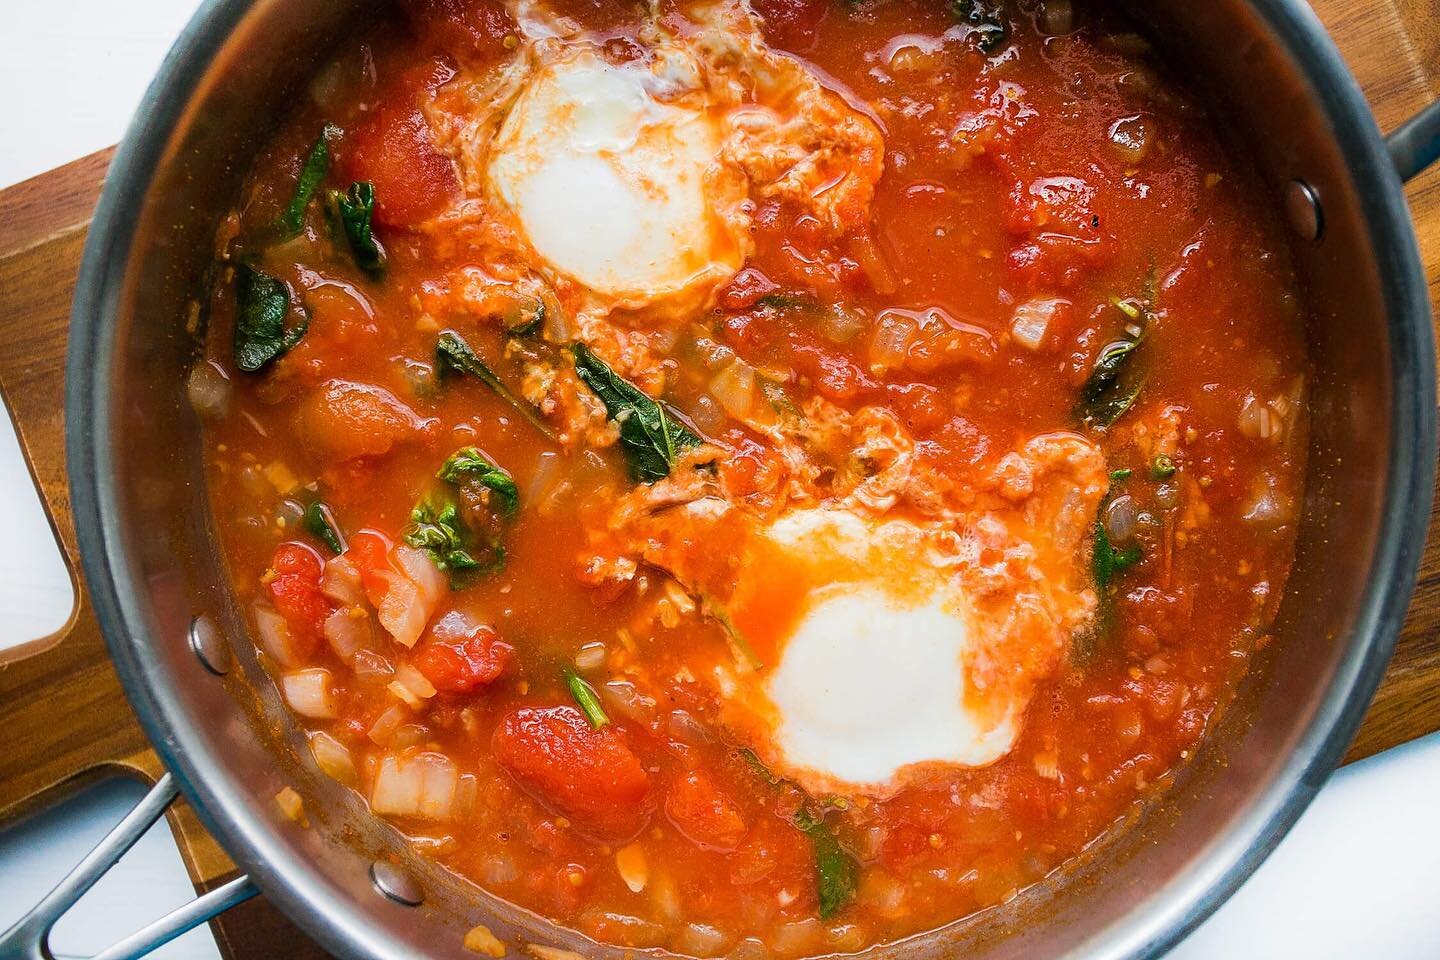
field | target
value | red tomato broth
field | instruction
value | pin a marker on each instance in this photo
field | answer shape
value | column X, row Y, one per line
column 1002, row 185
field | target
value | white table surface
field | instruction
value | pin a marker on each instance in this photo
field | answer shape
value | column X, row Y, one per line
column 1355, row 879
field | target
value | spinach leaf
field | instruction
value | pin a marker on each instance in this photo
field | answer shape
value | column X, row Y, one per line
column 586, row 699
column 1108, row 561
column 452, row 352
column 443, row 536
column 1114, row 383
column 835, row 870
column 985, row 22
column 753, row 761
column 321, row 524
column 525, row 317
column 312, row 173
column 650, row 436
column 786, row 301
column 469, row 463
column 262, row 303
column 352, row 212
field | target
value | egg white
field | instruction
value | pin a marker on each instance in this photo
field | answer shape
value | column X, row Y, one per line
column 868, row 642
column 614, row 188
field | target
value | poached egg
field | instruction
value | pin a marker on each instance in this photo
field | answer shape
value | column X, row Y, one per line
column 612, row 172
column 869, row 649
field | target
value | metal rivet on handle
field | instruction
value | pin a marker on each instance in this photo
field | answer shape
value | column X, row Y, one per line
column 396, row 884
column 210, row 647
column 1302, row 209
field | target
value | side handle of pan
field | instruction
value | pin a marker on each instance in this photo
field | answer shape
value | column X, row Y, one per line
column 61, row 705
column 29, row 938
column 1415, row 144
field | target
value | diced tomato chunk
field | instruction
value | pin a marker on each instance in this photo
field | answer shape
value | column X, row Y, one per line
column 464, row 665
column 746, row 289
column 778, row 855
column 370, row 552
column 345, row 419
column 590, row 776
column 919, row 404
column 394, row 149
column 703, row 813
column 295, row 591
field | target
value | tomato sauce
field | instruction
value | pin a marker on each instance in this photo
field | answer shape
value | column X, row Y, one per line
column 1047, row 193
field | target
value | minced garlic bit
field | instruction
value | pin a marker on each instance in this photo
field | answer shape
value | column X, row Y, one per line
column 291, row 805
column 281, row 477
column 1047, row 765
column 481, row 940
column 630, row 861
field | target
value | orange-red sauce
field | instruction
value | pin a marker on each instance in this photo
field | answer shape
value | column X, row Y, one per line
column 1063, row 166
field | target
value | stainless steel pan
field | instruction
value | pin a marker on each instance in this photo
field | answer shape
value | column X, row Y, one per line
column 178, row 641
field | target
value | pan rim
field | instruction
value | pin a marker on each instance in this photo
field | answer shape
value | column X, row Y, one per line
column 310, row 898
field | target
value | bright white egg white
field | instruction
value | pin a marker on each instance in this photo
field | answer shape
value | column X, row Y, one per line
column 867, row 687
column 613, row 188
column 867, row 643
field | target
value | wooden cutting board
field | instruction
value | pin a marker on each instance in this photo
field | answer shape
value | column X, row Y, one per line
column 64, row 716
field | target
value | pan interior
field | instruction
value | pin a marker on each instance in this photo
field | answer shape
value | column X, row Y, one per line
column 152, row 566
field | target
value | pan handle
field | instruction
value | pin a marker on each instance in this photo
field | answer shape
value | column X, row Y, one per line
column 60, row 699
column 1415, row 145
column 29, row 938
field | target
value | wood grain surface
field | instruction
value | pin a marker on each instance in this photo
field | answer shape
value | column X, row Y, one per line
column 64, row 715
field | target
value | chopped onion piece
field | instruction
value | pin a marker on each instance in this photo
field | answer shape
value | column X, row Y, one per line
column 382, row 731
column 409, row 735
column 546, row 479
column 701, row 940
column 1032, row 320
column 417, row 565
column 333, row 757
column 734, row 387
column 311, row 693
column 685, row 728
column 420, row 786
column 559, row 326
column 591, row 657
column 841, row 323
column 348, row 631
column 275, row 638
column 714, row 355
column 455, row 625
column 1130, row 138
column 341, row 582
column 1268, row 506
column 368, row 663
column 707, row 415
column 412, row 686
column 1121, row 517
column 209, row 391
column 552, row 953
column 1249, row 420
column 891, row 343
column 627, row 701
column 1047, row 765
